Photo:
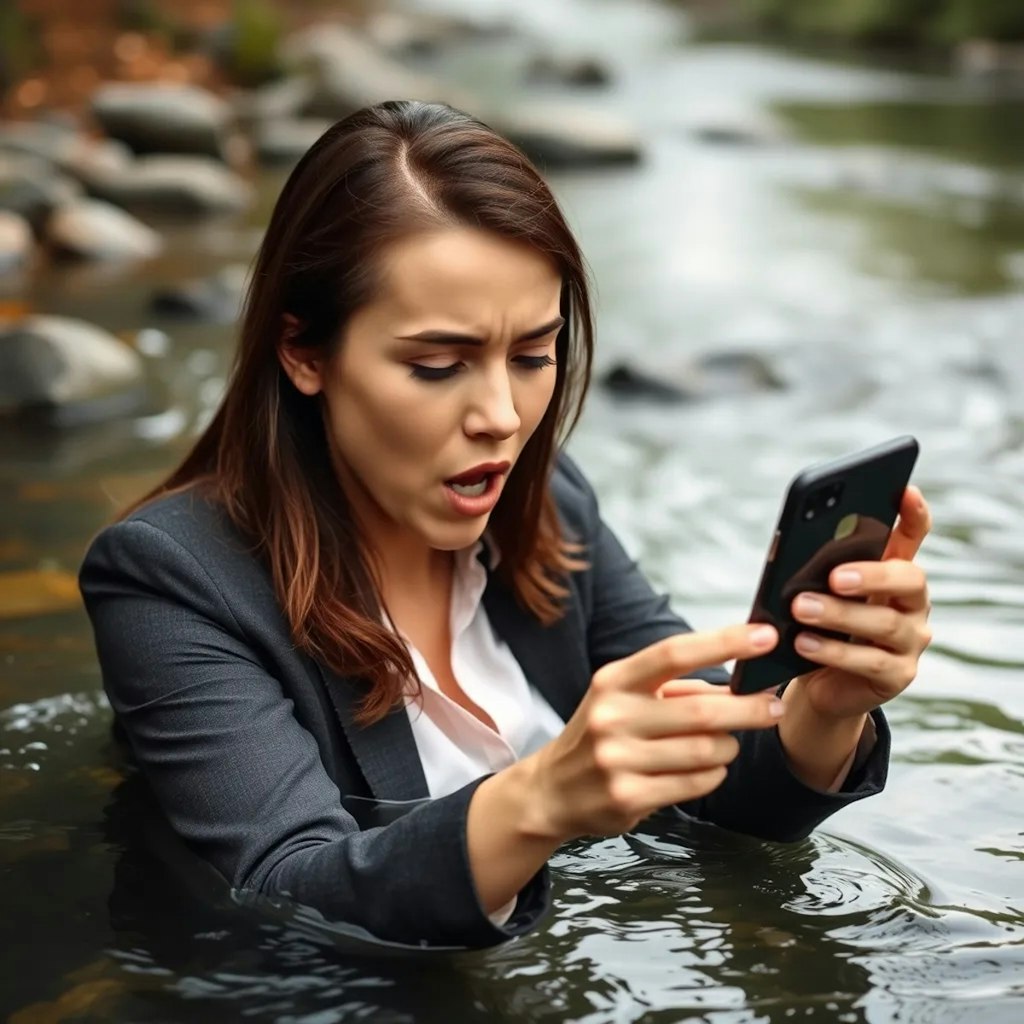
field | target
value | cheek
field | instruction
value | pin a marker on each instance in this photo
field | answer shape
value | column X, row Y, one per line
column 390, row 424
column 533, row 401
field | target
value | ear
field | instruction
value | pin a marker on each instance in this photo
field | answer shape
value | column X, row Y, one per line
column 303, row 365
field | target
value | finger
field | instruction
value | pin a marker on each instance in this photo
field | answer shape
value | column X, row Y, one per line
column 636, row 715
column 683, row 654
column 882, row 624
column 890, row 673
column 895, row 579
column 673, row 754
column 912, row 526
column 686, row 688
column 638, row 795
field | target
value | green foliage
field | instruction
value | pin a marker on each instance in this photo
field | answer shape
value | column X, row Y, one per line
column 892, row 21
column 20, row 51
column 251, row 53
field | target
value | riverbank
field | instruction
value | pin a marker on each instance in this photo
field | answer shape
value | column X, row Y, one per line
column 977, row 38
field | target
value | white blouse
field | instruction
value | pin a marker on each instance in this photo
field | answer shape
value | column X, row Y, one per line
column 455, row 747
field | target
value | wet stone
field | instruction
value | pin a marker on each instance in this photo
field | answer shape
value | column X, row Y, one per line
column 94, row 229
column 164, row 118
column 67, row 371
column 175, row 184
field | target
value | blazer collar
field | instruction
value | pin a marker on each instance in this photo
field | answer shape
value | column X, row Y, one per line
column 553, row 659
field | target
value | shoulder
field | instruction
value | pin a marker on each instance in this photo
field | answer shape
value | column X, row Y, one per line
column 174, row 538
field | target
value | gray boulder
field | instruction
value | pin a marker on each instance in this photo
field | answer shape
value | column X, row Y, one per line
column 31, row 188
column 164, row 118
column 736, row 124
column 94, row 229
column 68, row 370
column 16, row 243
column 174, row 184
column 282, row 142
column 280, row 100
column 349, row 72
column 712, row 375
column 426, row 33
column 578, row 72
column 216, row 299
column 559, row 135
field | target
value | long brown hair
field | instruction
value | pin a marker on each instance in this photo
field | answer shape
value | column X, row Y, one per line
column 375, row 177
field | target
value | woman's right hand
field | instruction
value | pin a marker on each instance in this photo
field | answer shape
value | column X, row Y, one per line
column 645, row 737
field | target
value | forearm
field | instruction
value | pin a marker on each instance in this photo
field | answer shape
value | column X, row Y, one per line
column 505, row 852
column 818, row 748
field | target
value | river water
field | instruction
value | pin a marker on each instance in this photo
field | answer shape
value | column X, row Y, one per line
column 871, row 255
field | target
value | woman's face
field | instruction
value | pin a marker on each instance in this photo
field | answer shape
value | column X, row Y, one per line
column 439, row 382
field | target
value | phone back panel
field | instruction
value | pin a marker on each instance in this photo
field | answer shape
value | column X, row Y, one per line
column 841, row 511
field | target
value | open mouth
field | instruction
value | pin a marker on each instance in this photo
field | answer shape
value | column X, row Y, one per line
column 471, row 485
column 477, row 482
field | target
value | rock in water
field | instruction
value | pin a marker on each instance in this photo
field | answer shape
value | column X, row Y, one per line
column 713, row 375
column 70, row 370
column 93, row 229
column 15, row 243
column 217, row 299
column 175, row 184
column 625, row 381
column 164, row 118
column 30, row 188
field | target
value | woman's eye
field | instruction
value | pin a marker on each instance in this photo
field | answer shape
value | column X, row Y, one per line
column 421, row 372
column 535, row 362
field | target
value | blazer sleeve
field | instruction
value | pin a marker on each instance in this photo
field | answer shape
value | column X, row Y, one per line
column 760, row 795
column 241, row 780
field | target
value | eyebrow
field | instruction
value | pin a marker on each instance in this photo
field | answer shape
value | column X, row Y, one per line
column 454, row 338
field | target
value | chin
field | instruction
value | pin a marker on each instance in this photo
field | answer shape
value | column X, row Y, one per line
column 457, row 536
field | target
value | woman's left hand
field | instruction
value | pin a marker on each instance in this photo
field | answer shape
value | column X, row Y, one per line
column 890, row 628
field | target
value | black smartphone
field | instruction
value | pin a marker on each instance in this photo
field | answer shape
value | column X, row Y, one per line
column 835, row 512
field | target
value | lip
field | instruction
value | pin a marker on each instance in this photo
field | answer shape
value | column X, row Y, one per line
column 480, row 504
column 490, row 468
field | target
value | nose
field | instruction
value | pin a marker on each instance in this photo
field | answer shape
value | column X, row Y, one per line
column 491, row 410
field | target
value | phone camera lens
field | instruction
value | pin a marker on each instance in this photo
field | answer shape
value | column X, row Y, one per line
column 809, row 513
column 830, row 501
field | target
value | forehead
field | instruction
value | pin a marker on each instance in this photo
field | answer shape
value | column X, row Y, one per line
column 469, row 275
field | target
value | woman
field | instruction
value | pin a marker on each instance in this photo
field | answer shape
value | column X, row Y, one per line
column 371, row 644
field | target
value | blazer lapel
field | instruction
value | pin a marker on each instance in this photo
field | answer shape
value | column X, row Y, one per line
column 553, row 658
column 385, row 751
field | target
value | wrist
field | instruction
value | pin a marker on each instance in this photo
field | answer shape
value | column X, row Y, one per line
column 521, row 793
column 819, row 747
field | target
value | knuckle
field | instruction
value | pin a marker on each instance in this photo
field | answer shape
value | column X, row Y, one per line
column 891, row 624
column 925, row 636
column 878, row 662
column 605, row 718
column 622, row 796
column 907, row 672
column 603, row 679
column 699, row 714
column 702, row 749
column 608, row 755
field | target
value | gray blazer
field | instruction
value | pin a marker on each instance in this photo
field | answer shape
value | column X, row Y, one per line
column 253, row 753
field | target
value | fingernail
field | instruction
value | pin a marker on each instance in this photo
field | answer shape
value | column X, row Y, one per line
column 847, row 579
column 809, row 607
column 776, row 708
column 763, row 636
column 807, row 642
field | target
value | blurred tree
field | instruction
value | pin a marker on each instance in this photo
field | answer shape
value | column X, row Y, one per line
column 247, row 48
column 893, row 21
column 20, row 48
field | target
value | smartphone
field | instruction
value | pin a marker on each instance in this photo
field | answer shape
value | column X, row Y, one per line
column 836, row 512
